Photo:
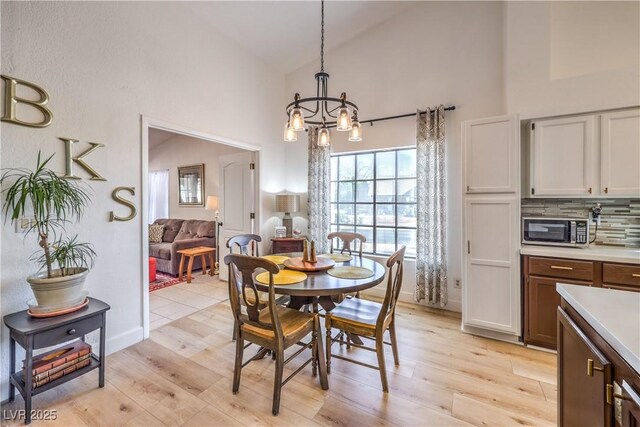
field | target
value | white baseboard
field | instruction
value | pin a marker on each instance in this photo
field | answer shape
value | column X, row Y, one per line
column 407, row 297
column 124, row 340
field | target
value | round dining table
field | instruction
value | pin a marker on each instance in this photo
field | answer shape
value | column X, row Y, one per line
column 319, row 287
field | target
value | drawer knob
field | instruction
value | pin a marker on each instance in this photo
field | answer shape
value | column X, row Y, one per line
column 71, row 331
column 560, row 267
column 635, row 275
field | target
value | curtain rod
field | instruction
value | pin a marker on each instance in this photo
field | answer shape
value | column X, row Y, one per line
column 400, row 116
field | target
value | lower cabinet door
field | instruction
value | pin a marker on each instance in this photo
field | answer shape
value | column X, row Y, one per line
column 542, row 301
column 584, row 373
column 491, row 295
column 630, row 405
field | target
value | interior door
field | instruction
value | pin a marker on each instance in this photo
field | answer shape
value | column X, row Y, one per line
column 491, row 294
column 620, row 151
column 237, row 200
column 490, row 155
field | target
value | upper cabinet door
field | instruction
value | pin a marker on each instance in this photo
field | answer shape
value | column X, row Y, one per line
column 561, row 157
column 620, row 151
column 491, row 155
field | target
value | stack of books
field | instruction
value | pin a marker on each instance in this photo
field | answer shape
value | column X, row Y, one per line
column 56, row 363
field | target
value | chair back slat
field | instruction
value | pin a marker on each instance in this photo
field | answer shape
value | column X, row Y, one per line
column 242, row 287
column 247, row 244
column 347, row 239
column 395, row 268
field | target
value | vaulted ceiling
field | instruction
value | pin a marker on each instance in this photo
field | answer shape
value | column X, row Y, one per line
column 286, row 34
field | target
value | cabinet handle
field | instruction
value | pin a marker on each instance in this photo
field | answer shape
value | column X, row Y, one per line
column 611, row 395
column 590, row 190
column 560, row 267
column 591, row 368
column 635, row 275
column 468, row 246
column 606, row 190
column 468, row 188
column 71, row 331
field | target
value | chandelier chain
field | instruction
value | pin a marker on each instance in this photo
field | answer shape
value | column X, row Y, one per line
column 322, row 38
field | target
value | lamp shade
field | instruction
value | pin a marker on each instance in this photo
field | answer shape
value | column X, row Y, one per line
column 287, row 203
column 212, row 203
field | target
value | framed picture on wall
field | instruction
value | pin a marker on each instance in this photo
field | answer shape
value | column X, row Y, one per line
column 191, row 185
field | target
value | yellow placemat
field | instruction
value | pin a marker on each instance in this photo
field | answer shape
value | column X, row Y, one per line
column 285, row 277
column 350, row 272
column 278, row 259
column 337, row 257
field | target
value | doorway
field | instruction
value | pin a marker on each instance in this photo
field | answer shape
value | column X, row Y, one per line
column 227, row 178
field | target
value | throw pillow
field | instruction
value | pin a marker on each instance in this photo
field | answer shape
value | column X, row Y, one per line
column 156, row 232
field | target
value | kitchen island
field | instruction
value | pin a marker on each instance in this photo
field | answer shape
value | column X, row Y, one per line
column 598, row 356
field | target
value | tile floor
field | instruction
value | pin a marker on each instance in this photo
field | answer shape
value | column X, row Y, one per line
column 184, row 299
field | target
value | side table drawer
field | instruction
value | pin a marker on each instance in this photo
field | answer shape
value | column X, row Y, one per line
column 287, row 247
column 67, row 332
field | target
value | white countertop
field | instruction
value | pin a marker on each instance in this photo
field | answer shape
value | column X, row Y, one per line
column 593, row 252
column 615, row 315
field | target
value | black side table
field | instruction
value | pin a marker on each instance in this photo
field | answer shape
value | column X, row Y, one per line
column 33, row 333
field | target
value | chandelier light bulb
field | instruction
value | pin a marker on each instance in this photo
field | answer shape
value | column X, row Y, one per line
column 355, row 134
column 290, row 134
column 296, row 119
column 324, row 137
column 344, row 119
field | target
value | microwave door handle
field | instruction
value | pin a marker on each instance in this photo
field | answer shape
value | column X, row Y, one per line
column 573, row 231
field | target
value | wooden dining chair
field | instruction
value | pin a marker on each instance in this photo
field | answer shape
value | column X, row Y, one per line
column 369, row 319
column 247, row 244
column 273, row 327
column 347, row 239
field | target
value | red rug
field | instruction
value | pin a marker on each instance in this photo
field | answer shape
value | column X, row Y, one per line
column 163, row 281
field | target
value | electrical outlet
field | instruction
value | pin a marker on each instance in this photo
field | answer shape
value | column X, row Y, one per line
column 23, row 224
column 595, row 219
column 457, row 283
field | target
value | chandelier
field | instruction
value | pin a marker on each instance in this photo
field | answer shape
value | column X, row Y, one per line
column 322, row 110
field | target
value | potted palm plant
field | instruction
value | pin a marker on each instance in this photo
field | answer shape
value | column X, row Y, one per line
column 53, row 201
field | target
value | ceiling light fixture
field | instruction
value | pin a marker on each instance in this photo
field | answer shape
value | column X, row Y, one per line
column 323, row 110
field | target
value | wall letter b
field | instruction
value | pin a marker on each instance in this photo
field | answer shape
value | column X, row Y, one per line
column 11, row 100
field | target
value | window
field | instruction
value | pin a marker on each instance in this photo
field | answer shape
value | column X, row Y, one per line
column 374, row 194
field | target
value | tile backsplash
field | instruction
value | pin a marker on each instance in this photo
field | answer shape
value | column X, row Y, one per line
column 620, row 220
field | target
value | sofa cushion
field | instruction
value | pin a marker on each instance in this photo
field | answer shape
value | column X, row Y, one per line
column 156, row 231
column 171, row 228
column 206, row 229
column 191, row 227
column 160, row 250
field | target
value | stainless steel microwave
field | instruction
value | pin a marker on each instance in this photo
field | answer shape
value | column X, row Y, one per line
column 555, row 231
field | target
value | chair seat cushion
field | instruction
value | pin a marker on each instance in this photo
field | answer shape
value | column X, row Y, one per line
column 292, row 321
column 358, row 311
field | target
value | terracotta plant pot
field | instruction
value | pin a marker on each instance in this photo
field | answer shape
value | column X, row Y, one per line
column 58, row 291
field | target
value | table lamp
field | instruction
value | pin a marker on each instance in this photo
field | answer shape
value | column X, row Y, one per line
column 213, row 205
column 287, row 203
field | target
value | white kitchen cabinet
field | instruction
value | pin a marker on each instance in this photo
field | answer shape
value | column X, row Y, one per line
column 490, row 155
column 491, row 292
column 561, row 157
column 620, row 153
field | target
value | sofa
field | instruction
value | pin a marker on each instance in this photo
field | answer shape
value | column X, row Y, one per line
column 181, row 234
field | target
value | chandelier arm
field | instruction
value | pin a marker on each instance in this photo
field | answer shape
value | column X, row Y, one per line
column 313, row 112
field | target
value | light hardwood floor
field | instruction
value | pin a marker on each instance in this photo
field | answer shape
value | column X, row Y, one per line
column 182, row 376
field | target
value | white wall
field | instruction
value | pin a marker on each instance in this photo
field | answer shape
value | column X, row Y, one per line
column 435, row 53
column 182, row 150
column 570, row 57
column 104, row 65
